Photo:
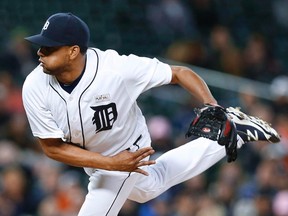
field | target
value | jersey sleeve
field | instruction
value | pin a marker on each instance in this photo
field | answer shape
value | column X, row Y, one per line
column 40, row 118
column 141, row 73
column 146, row 73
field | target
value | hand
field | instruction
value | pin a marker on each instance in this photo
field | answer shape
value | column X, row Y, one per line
column 131, row 161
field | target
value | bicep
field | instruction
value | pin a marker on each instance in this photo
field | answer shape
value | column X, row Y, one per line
column 180, row 73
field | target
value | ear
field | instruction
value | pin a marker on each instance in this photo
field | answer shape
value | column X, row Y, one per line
column 74, row 51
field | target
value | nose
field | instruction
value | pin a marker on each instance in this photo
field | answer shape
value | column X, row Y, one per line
column 39, row 52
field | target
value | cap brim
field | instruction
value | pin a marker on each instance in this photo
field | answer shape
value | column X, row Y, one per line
column 43, row 41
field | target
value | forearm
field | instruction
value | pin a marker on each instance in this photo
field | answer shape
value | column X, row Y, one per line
column 193, row 83
column 73, row 155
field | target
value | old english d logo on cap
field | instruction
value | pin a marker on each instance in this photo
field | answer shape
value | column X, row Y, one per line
column 62, row 29
column 46, row 25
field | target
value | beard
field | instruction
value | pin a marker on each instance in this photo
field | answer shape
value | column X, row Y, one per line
column 46, row 71
column 55, row 71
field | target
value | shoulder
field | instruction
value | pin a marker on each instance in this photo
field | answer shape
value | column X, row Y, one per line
column 109, row 53
column 113, row 54
column 37, row 80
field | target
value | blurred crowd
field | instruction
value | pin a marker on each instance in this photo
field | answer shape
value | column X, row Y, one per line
column 196, row 32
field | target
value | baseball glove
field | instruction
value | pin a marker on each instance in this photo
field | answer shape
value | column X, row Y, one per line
column 212, row 122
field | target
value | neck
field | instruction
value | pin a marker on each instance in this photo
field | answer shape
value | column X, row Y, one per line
column 73, row 71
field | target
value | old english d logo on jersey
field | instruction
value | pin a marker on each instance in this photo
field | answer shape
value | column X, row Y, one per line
column 104, row 116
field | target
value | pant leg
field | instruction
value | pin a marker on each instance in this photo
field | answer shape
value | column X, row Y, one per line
column 107, row 192
column 176, row 166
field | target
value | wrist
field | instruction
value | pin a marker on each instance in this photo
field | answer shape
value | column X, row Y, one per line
column 212, row 103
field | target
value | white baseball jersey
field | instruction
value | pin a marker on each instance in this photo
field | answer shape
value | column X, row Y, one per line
column 101, row 113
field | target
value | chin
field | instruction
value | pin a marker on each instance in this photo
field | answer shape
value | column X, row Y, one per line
column 46, row 71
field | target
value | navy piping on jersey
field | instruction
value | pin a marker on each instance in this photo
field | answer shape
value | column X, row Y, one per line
column 68, row 122
column 79, row 104
column 138, row 147
column 70, row 136
column 117, row 194
column 135, row 143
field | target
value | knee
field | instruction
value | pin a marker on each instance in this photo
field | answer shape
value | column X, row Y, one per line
column 142, row 197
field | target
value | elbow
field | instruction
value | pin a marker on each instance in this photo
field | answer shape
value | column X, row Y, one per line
column 179, row 73
column 50, row 152
column 50, row 148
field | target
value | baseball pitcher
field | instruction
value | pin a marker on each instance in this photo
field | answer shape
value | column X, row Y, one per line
column 81, row 103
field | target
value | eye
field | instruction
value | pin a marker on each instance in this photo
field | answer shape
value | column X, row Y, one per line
column 48, row 50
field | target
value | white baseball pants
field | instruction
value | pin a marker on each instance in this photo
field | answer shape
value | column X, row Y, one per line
column 107, row 191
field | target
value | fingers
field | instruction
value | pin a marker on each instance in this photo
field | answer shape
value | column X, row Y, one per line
column 143, row 163
column 143, row 153
column 138, row 170
column 131, row 161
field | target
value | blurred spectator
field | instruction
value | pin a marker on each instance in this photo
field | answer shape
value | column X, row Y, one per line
column 210, row 207
column 229, row 36
column 16, row 198
column 187, row 51
column 70, row 194
column 259, row 62
column 13, row 121
column 129, row 208
column 47, row 174
column 196, row 186
column 247, row 98
column 171, row 20
column 48, row 207
column 263, row 203
column 245, row 206
column 9, row 153
column 184, row 205
column 160, row 206
column 262, row 111
column 281, row 122
column 160, row 129
column 257, row 11
column 279, row 9
column 18, row 131
column 224, row 55
column 17, row 57
column 63, row 192
column 12, row 97
column 225, row 188
column 205, row 15
column 280, row 207
column 263, row 181
column 279, row 89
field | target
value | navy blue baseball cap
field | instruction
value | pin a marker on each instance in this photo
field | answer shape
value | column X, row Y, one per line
column 62, row 29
